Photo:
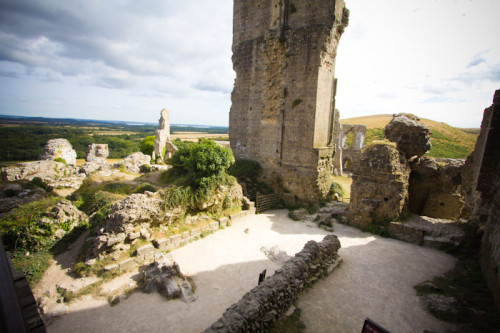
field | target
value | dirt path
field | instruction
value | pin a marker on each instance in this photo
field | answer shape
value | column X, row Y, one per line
column 225, row 265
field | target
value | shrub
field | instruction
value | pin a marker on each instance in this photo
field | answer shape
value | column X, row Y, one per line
column 147, row 145
column 203, row 162
column 336, row 188
column 145, row 168
column 23, row 228
column 145, row 187
column 38, row 182
column 242, row 169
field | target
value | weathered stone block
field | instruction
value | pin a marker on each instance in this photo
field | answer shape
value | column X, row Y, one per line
column 214, row 226
column 128, row 264
column 175, row 240
column 162, row 244
column 223, row 221
column 145, row 249
column 405, row 233
column 196, row 232
column 111, row 268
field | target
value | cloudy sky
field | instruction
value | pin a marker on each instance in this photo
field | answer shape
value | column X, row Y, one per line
column 126, row 60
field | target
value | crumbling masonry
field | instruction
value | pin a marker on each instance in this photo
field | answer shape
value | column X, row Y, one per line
column 283, row 102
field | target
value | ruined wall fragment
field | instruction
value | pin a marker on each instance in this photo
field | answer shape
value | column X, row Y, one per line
column 411, row 136
column 163, row 147
column 483, row 182
column 379, row 191
column 435, row 188
column 283, row 104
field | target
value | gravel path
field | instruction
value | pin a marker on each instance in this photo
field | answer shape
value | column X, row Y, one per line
column 376, row 279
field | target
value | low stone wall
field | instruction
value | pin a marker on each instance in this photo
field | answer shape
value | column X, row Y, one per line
column 148, row 253
column 267, row 302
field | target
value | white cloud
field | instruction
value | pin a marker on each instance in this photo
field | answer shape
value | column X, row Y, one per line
column 434, row 61
column 438, row 59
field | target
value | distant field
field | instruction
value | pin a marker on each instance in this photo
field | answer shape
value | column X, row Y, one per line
column 112, row 133
column 194, row 136
column 447, row 141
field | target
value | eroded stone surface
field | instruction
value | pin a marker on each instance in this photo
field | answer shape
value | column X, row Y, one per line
column 411, row 137
column 132, row 163
column 379, row 191
column 59, row 148
column 283, row 102
column 435, row 188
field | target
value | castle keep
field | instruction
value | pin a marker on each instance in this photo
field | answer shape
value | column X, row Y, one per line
column 283, row 102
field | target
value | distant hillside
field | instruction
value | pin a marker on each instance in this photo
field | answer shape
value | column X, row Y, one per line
column 447, row 141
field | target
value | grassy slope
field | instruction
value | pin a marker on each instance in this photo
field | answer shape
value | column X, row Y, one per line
column 447, row 141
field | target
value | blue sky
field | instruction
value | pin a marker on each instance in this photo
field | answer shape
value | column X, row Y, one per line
column 126, row 60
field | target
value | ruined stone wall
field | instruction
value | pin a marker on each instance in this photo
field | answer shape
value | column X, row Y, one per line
column 283, row 104
column 484, row 176
column 379, row 191
column 435, row 188
column 265, row 303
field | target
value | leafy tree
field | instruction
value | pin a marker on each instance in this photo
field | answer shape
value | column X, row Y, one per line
column 204, row 162
column 147, row 145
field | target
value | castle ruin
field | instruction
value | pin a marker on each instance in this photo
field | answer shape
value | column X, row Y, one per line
column 283, row 102
column 163, row 147
column 346, row 156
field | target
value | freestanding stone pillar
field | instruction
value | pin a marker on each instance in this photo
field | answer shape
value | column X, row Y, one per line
column 163, row 147
column 283, row 102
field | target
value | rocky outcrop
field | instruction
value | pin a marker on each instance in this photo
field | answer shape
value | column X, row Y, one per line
column 265, row 303
column 379, row 191
column 435, row 188
column 411, row 137
column 133, row 162
column 59, row 149
column 65, row 216
column 56, row 174
column 95, row 158
column 140, row 215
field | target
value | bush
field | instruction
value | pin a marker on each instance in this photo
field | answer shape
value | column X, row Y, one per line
column 145, row 187
column 203, row 162
column 23, row 228
column 243, row 169
column 336, row 189
column 38, row 182
column 145, row 168
column 147, row 145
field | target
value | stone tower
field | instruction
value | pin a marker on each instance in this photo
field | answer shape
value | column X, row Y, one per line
column 283, row 102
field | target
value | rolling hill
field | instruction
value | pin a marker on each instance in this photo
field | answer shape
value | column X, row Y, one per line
column 447, row 141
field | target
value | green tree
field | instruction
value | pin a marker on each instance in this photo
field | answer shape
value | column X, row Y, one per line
column 147, row 145
column 203, row 162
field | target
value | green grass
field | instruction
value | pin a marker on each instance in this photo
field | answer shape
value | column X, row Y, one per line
column 447, row 141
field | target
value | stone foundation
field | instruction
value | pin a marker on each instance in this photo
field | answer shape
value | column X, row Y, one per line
column 267, row 302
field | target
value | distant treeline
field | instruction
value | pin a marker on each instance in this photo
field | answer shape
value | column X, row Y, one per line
column 25, row 142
